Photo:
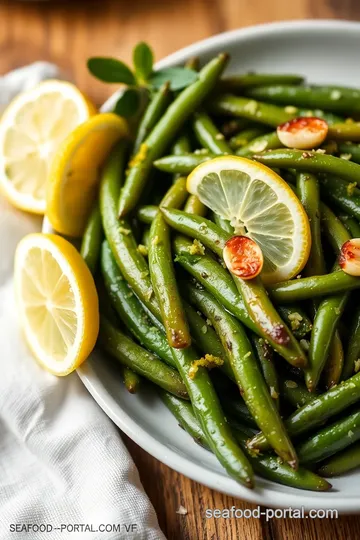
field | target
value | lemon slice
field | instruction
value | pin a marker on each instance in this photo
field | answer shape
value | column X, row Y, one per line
column 74, row 174
column 259, row 204
column 31, row 129
column 57, row 302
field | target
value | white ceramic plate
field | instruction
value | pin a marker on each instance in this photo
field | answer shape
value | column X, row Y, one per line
column 325, row 52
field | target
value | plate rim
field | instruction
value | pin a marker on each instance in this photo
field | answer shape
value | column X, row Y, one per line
column 211, row 479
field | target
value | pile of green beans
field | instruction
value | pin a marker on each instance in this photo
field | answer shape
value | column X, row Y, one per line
column 252, row 372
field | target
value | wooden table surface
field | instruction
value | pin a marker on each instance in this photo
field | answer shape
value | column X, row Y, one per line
column 68, row 33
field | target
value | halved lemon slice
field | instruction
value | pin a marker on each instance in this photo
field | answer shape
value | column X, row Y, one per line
column 74, row 174
column 31, row 129
column 259, row 204
column 57, row 302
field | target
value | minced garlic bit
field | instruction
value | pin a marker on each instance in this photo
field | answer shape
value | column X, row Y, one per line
column 350, row 433
column 204, row 329
column 295, row 320
column 219, row 136
column 208, row 322
column 197, row 248
column 350, row 188
column 305, row 344
column 247, row 354
column 208, row 361
column 122, row 230
column 155, row 241
column 273, row 393
column 143, row 250
column 181, row 510
column 290, row 109
column 251, row 107
column 347, row 157
column 140, row 156
column 357, row 365
column 291, row 384
column 320, row 151
column 335, row 94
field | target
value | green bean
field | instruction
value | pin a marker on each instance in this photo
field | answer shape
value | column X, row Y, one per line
column 310, row 162
column 211, row 418
column 331, row 439
column 352, row 357
column 235, row 83
column 213, row 276
column 349, row 150
column 317, row 411
column 152, row 115
column 294, row 392
column 296, row 319
column 343, row 193
column 131, row 355
column 222, row 223
column 270, row 141
column 295, row 290
column 347, row 131
column 165, row 130
column 195, row 206
column 271, row 468
column 345, row 461
column 262, row 314
column 208, row 135
column 252, row 385
column 334, row 363
column 329, row 311
column 146, row 214
column 264, row 354
column 329, row 117
column 181, row 145
column 131, row 380
column 132, row 264
column 184, row 414
column 309, row 195
column 268, row 466
column 145, row 241
column 351, row 224
column 265, row 316
column 331, row 98
column 130, row 310
column 246, row 136
column 91, row 242
column 183, row 164
column 263, row 113
column 163, row 274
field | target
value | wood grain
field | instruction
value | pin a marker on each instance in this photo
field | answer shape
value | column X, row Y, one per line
column 68, row 33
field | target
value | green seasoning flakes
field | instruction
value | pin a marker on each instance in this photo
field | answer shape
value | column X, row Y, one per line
column 350, row 188
column 295, row 320
column 208, row 361
column 197, row 248
column 143, row 250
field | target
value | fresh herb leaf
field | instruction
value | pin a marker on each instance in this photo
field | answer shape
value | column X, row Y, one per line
column 143, row 59
column 178, row 77
column 128, row 103
column 111, row 70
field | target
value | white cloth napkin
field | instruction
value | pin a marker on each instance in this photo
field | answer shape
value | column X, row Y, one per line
column 63, row 465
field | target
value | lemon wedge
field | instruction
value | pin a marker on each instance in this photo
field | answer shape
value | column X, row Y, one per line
column 74, row 174
column 259, row 204
column 31, row 129
column 57, row 302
